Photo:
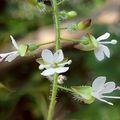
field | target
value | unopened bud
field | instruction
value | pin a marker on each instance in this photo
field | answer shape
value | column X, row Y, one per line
column 84, row 24
column 71, row 14
column 61, row 79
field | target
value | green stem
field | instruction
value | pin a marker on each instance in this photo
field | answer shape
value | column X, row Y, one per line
column 54, row 87
column 46, row 43
column 64, row 88
column 53, row 98
column 57, row 24
column 70, row 40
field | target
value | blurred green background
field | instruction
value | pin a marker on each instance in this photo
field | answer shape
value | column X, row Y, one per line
column 30, row 97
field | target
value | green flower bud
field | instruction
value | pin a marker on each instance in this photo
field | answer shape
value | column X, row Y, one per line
column 71, row 14
column 22, row 50
column 87, row 43
column 63, row 15
column 84, row 24
column 83, row 93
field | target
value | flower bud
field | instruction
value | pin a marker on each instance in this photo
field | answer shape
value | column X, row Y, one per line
column 79, row 26
column 61, row 79
column 83, row 93
column 67, row 15
column 87, row 43
column 71, row 14
column 84, row 24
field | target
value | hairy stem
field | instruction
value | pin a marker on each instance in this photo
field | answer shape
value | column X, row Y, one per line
column 54, row 87
column 64, row 88
column 53, row 98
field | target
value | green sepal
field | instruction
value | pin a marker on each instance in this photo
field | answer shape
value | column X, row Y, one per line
column 40, row 61
column 32, row 47
column 88, row 43
column 22, row 49
column 85, row 92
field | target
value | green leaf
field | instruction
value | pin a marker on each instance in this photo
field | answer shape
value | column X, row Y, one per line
column 23, row 49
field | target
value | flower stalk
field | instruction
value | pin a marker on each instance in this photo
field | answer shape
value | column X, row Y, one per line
column 54, row 87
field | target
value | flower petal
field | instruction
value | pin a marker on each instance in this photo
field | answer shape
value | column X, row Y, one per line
column 58, row 56
column 98, row 83
column 47, row 56
column 105, row 50
column 104, row 36
column 14, row 42
column 11, row 56
column 99, row 54
column 48, row 72
column 108, row 87
column 61, row 69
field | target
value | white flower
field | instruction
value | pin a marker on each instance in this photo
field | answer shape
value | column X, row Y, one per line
column 101, row 51
column 100, row 88
column 53, row 63
column 11, row 55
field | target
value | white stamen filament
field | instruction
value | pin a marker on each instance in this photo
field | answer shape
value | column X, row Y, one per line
column 115, row 97
column 113, row 42
column 105, row 101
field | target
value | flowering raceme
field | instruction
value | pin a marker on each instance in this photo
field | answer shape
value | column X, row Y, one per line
column 98, row 90
column 53, row 63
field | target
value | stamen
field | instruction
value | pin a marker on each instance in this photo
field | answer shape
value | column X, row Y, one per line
column 115, row 97
column 113, row 42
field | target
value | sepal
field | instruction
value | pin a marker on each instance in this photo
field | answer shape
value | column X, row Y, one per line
column 87, row 43
column 83, row 93
column 40, row 61
column 23, row 50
